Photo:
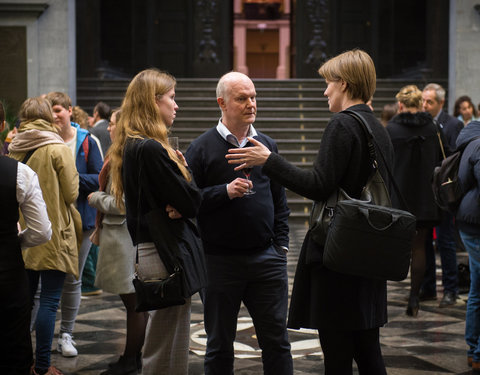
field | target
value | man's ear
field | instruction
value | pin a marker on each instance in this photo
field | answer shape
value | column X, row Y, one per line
column 2, row 127
column 221, row 103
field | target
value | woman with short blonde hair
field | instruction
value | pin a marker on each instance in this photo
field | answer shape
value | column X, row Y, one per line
column 347, row 310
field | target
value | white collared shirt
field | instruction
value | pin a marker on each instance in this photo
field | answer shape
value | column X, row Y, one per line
column 230, row 138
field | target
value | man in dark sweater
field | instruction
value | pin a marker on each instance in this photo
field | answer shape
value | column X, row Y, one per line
column 245, row 237
column 433, row 100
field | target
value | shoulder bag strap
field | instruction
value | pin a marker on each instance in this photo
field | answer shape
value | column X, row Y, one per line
column 28, row 155
column 371, row 139
column 439, row 135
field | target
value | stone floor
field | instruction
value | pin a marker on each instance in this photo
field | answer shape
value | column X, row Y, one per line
column 430, row 344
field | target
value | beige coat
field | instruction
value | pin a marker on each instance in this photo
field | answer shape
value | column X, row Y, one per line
column 54, row 164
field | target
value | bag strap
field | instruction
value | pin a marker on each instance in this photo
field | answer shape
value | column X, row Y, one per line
column 371, row 142
column 28, row 155
column 439, row 135
column 172, row 265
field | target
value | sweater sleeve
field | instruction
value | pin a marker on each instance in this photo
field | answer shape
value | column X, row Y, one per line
column 281, row 210
column 214, row 196
column 328, row 169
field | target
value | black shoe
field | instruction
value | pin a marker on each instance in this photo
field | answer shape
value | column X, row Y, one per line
column 449, row 299
column 124, row 366
column 424, row 296
column 413, row 306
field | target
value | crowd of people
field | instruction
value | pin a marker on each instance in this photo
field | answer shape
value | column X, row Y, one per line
column 83, row 187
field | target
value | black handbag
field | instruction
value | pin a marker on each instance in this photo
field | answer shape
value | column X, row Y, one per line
column 156, row 294
column 366, row 237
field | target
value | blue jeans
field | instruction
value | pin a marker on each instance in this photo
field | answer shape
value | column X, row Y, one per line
column 472, row 321
column 260, row 281
column 51, row 290
column 447, row 248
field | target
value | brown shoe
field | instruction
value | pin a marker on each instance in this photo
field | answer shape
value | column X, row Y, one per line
column 476, row 367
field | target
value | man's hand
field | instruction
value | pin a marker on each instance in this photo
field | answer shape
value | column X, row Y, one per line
column 238, row 187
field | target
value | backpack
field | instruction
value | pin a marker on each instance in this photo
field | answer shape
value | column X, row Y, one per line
column 447, row 190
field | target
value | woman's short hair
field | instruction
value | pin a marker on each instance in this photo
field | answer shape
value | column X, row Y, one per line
column 410, row 96
column 37, row 108
column 80, row 117
column 458, row 103
column 356, row 69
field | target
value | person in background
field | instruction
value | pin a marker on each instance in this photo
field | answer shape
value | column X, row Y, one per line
column 80, row 117
column 116, row 263
column 468, row 221
column 39, row 145
column 101, row 117
column 388, row 112
column 154, row 176
column 465, row 110
column 417, row 153
column 433, row 100
column 348, row 325
column 245, row 237
column 88, row 160
column 19, row 189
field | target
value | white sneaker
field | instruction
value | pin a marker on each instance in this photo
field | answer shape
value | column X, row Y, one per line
column 66, row 346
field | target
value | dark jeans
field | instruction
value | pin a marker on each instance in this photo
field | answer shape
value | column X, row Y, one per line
column 51, row 290
column 447, row 247
column 16, row 344
column 260, row 281
column 340, row 348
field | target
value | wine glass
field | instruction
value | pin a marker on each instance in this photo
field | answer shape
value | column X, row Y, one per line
column 246, row 172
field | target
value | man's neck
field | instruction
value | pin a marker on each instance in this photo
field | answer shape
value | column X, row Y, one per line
column 67, row 133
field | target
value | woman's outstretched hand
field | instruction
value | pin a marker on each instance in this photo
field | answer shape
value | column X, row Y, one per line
column 248, row 157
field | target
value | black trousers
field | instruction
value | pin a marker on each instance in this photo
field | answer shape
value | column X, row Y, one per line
column 340, row 348
column 15, row 343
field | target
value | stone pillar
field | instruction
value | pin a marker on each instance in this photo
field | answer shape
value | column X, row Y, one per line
column 464, row 67
column 51, row 47
column 240, row 47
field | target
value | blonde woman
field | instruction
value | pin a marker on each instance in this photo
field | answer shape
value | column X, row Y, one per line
column 154, row 176
column 39, row 145
column 417, row 152
column 347, row 311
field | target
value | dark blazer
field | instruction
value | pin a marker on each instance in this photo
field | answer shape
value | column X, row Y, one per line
column 417, row 153
column 321, row 298
column 101, row 132
column 451, row 127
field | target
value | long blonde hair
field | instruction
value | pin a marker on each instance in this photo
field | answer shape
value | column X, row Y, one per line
column 141, row 118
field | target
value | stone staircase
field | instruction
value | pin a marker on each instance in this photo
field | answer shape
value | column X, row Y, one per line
column 293, row 112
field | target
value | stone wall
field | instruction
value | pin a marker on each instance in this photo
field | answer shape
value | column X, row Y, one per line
column 50, row 44
column 464, row 67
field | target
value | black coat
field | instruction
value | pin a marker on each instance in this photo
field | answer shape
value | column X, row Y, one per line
column 417, row 152
column 451, row 127
column 321, row 298
column 468, row 214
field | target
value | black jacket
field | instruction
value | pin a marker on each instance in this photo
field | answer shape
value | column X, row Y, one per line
column 468, row 214
column 417, row 153
column 451, row 127
column 321, row 298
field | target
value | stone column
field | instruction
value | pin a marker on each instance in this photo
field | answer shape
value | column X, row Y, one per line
column 464, row 67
